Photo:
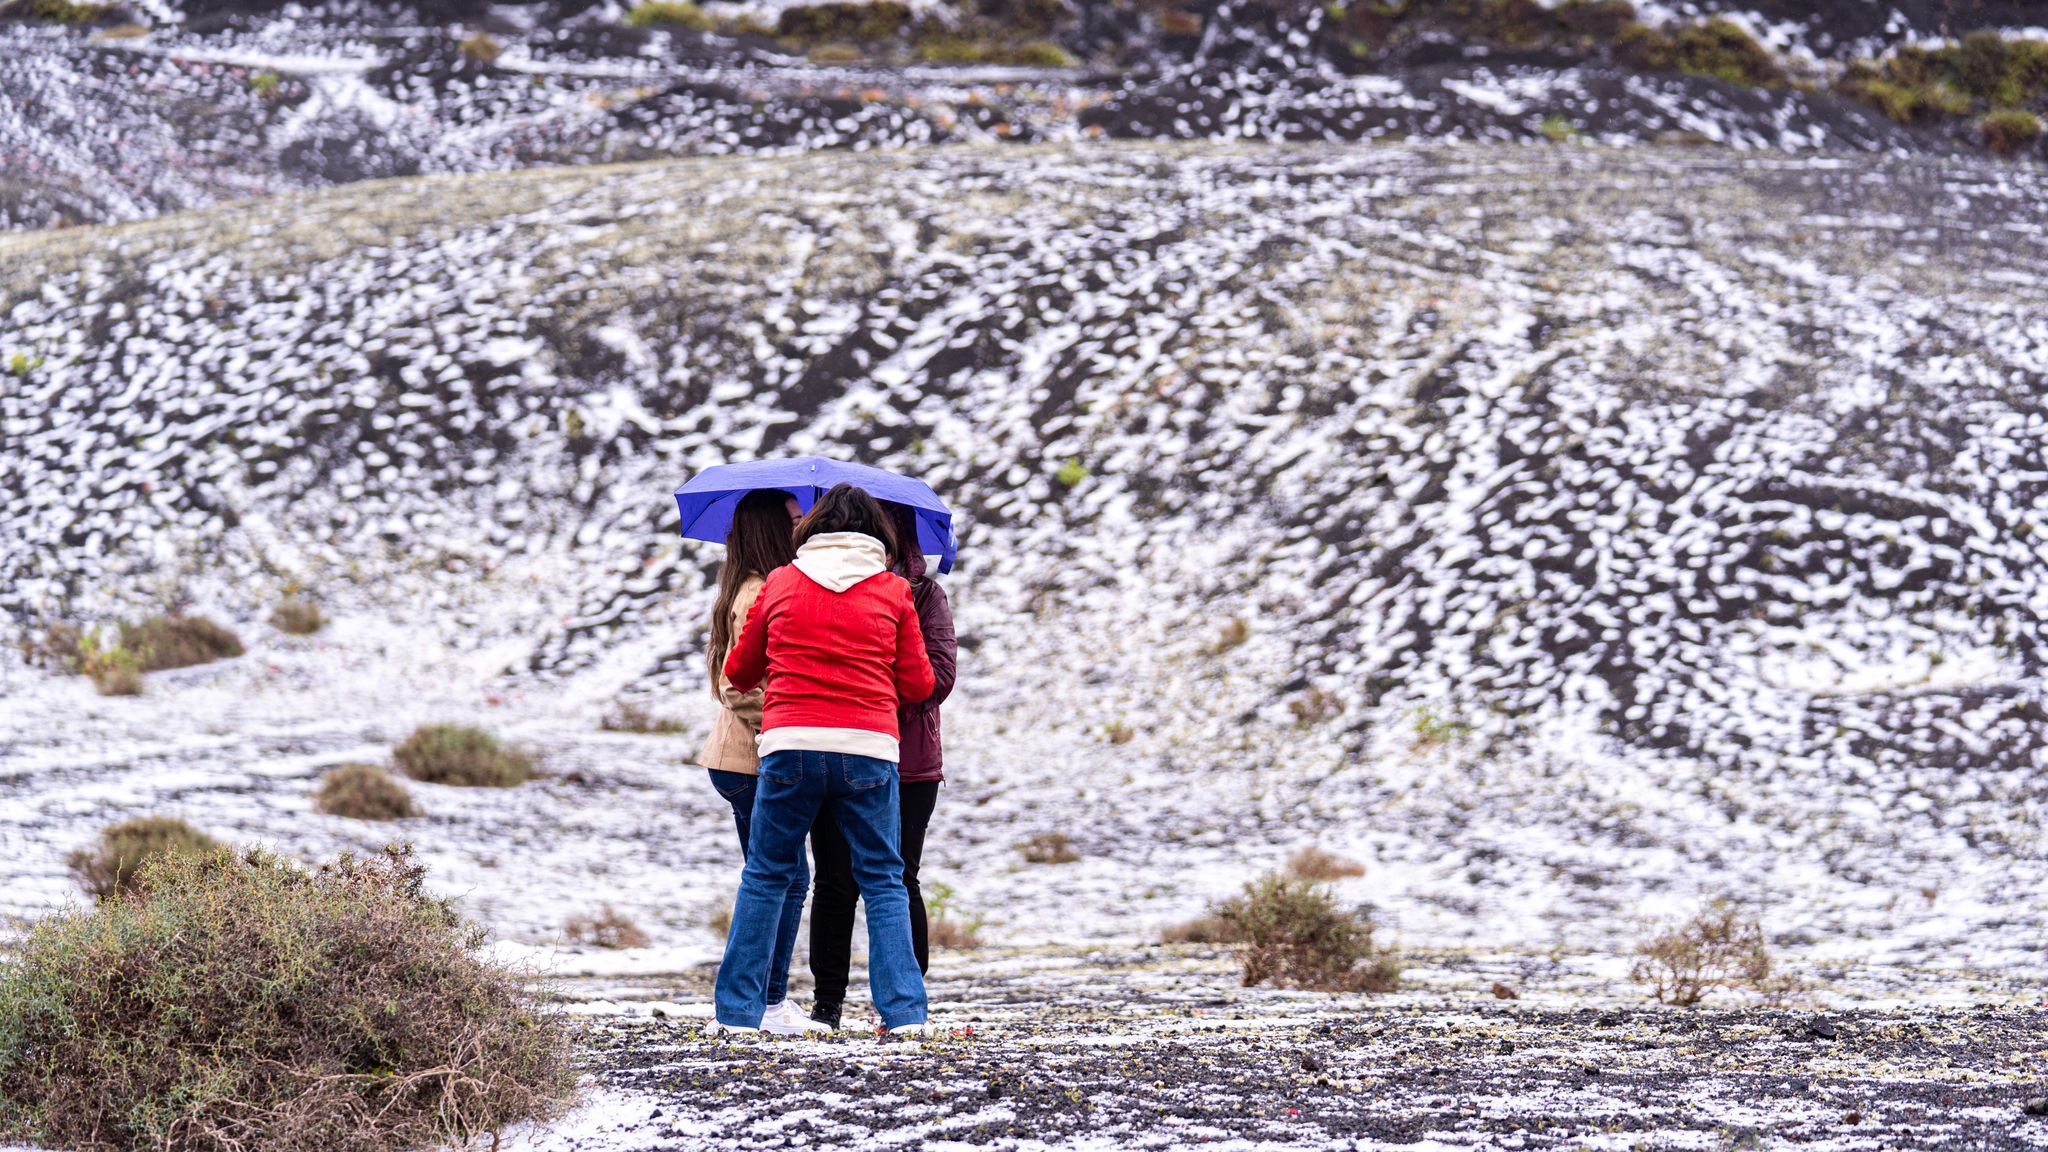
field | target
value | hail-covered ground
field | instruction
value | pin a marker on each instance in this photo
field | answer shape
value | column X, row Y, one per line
column 202, row 104
column 1571, row 535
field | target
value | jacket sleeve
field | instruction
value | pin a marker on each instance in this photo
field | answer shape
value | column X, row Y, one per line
column 746, row 706
column 747, row 665
column 935, row 618
column 913, row 668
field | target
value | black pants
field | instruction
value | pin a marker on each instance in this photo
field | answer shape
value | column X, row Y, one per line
column 833, row 892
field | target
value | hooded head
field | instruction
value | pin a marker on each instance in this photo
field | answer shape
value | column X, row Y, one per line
column 845, row 539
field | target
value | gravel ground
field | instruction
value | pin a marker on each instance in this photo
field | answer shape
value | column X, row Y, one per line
column 1159, row 1047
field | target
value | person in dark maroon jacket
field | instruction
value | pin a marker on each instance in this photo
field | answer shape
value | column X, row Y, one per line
column 921, row 767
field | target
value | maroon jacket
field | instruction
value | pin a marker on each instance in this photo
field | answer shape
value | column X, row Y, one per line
column 920, row 759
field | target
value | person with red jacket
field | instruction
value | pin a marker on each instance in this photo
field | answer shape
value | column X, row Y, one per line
column 835, row 636
column 920, row 771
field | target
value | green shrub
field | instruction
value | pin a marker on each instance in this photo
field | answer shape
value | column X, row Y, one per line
column 2009, row 131
column 858, row 23
column 111, row 866
column 1559, row 130
column 364, row 792
column 1050, row 848
column 57, row 11
column 21, row 364
column 1039, row 54
column 463, row 756
column 166, row 642
column 1905, row 103
column 241, row 1003
column 1291, row 934
column 607, row 929
column 115, row 669
column 944, row 927
column 294, row 616
column 1718, row 948
column 1721, row 50
column 1513, row 22
column 673, row 15
column 1071, row 474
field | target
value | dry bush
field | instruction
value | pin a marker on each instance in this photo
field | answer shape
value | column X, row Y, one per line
column 1050, row 848
column 55, row 647
column 166, row 642
column 364, row 792
column 1201, row 930
column 1718, row 948
column 1315, row 864
column 1120, row 733
column 461, row 755
column 237, row 1003
column 111, row 866
column 629, row 716
column 296, row 616
column 1292, row 935
column 608, row 929
column 945, row 929
column 1315, row 707
column 671, row 15
column 482, row 48
column 1234, row 635
column 721, row 920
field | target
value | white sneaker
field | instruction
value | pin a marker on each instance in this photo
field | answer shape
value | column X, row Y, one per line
column 784, row 1018
column 717, row 1029
column 913, row 1031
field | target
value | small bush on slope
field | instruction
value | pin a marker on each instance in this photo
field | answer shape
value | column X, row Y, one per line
column 111, row 866
column 945, row 931
column 461, row 755
column 1050, row 848
column 1315, row 864
column 673, row 15
column 240, row 1003
column 608, row 929
column 1291, row 934
column 364, row 792
column 1718, row 948
column 295, row 616
column 2009, row 132
column 166, row 642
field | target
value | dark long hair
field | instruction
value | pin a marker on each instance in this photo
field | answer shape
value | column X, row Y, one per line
column 847, row 508
column 758, row 543
column 907, row 559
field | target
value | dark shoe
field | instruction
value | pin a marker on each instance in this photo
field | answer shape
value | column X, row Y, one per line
column 826, row 1014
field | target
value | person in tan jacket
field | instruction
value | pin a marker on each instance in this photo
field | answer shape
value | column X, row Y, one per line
column 758, row 543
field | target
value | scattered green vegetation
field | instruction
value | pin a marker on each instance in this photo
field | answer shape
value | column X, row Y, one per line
column 1050, row 848
column 21, row 364
column 297, row 616
column 463, row 756
column 946, row 928
column 1432, row 730
column 57, row 11
column 671, row 15
column 364, row 792
column 1717, row 49
column 238, row 1002
column 1595, row 21
column 2009, row 131
column 1718, row 948
column 1291, row 934
column 1071, row 474
column 638, row 718
column 835, row 55
column 948, row 49
column 854, row 23
column 111, row 866
column 1119, row 733
column 115, row 669
column 1516, row 23
column 165, row 642
column 608, row 929
column 1917, row 85
column 1559, row 130
column 1315, row 864
column 482, row 48
column 266, row 84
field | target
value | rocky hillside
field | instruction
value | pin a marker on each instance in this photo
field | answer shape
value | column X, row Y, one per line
column 1571, row 531
column 112, row 112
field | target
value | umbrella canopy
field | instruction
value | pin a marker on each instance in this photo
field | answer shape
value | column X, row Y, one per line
column 708, row 500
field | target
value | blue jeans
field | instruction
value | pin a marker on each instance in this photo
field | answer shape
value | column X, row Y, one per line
column 861, row 794
column 738, row 790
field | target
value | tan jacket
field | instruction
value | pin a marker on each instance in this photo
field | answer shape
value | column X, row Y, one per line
column 731, row 745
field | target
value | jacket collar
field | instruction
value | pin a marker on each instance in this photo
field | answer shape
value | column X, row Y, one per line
column 836, row 561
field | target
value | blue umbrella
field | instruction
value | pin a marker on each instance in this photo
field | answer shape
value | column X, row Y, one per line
column 707, row 502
